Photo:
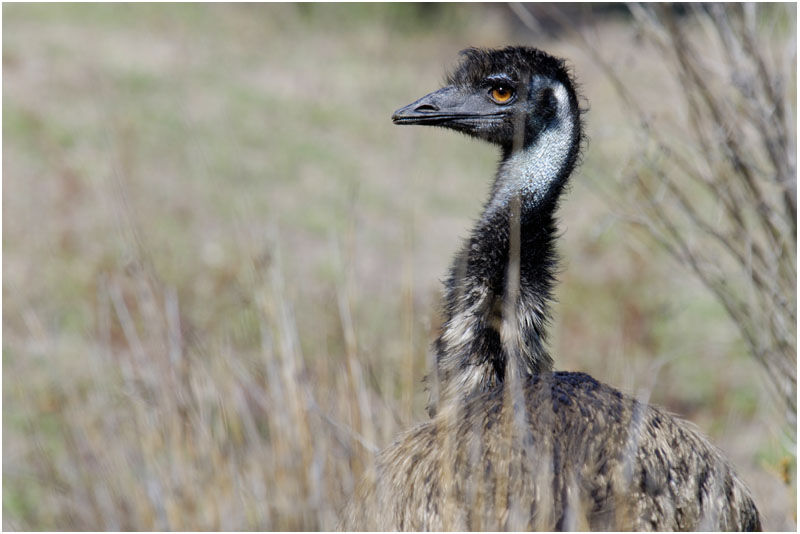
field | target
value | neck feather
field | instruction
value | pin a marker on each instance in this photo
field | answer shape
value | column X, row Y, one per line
column 496, row 308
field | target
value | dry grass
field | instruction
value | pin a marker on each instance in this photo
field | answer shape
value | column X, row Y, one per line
column 221, row 262
column 723, row 201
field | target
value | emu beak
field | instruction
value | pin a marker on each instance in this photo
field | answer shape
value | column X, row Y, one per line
column 429, row 109
column 446, row 105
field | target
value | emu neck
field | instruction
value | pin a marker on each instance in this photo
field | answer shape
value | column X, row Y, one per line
column 537, row 172
column 496, row 310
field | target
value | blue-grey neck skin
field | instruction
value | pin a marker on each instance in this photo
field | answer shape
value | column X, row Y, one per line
column 530, row 171
column 471, row 356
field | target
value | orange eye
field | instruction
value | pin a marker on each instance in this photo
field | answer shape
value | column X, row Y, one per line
column 501, row 95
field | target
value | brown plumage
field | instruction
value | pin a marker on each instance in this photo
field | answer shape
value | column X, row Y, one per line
column 514, row 445
column 578, row 455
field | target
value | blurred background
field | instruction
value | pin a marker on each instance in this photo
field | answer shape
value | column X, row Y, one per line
column 222, row 262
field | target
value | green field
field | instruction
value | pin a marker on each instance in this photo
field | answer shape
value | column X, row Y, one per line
column 222, row 262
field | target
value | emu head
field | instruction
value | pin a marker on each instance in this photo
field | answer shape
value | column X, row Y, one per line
column 507, row 97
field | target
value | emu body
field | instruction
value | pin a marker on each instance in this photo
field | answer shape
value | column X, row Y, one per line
column 513, row 445
column 586, row 457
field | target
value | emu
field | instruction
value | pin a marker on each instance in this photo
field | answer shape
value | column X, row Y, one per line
column 513, row 445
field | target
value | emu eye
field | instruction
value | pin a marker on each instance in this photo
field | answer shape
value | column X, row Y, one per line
column 501, row 94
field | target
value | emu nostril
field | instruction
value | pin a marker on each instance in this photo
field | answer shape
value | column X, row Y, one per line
column 426, row 107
